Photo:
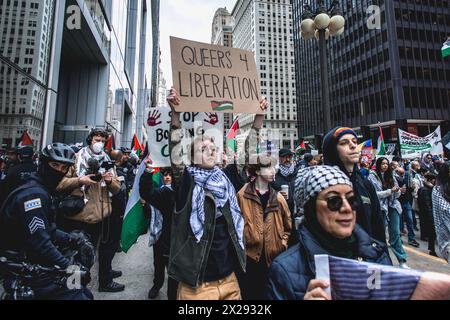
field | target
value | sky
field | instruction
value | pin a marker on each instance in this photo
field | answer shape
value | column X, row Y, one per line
column 187, row 19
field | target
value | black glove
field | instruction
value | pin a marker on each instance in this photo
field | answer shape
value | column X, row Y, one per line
column 86, row 251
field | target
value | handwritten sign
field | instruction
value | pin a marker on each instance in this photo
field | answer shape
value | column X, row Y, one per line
column 211, row 78
column 194, row 123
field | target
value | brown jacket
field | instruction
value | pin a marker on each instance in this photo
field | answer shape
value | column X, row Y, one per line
column 96, row 195
column 273, row 232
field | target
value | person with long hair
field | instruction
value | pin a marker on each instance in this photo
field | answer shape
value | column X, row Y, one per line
column 388, row 193
column 441, row 210
column 267, row 226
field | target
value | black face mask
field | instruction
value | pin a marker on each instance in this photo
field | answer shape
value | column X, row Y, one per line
column 50, row 177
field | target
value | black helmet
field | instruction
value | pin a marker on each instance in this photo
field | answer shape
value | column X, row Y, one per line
column 59, row 152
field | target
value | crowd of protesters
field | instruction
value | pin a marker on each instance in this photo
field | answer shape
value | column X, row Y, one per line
column 229, row 231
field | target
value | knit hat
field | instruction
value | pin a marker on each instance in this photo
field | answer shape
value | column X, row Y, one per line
column 312, row 180
column 308, row 157
column 329, row 146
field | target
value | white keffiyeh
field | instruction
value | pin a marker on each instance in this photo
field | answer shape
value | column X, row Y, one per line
column 83, row 157
column 441, row 215
column 223, row 191
column 286, row 171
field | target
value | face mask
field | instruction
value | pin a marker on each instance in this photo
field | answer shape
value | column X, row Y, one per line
column 51, row 176
column 98, row 147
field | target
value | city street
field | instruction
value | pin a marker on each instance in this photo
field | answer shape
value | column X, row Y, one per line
column 137, row 268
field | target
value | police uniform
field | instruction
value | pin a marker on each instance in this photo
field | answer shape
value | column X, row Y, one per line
column 26, row 226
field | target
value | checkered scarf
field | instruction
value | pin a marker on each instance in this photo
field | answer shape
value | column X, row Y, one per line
column 286, row 171
column 223, row 191
column 312, row 180
column 441, row 215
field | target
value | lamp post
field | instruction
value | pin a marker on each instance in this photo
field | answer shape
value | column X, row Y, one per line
column 322, row 24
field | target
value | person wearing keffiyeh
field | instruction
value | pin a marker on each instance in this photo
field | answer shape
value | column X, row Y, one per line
column 441, row 210
column 207, row 244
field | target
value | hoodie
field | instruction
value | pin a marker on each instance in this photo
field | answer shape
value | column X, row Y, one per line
column 368, row 214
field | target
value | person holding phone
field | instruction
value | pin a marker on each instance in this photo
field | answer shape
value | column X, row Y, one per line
column 388, row 193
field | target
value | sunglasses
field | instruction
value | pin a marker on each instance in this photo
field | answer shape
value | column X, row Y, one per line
column 335, row 203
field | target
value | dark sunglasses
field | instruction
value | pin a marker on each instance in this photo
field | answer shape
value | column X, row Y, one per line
column 335, row 203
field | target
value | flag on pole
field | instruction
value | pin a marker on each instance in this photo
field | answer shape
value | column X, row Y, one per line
column 110, row 143
column 134, row 221
column 231, row 135
column 446, row 48
column 25, row 140
column 381, row 149
column 136, row 146
column 301, row 147
column 365, row 145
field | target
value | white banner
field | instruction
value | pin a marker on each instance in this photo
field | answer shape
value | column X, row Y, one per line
column 412, row 146
column 195, row 123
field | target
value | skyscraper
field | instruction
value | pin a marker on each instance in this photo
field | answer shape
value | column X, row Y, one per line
column 25, row 28
column 265, row 27
column 385, row 69
column 68, row 66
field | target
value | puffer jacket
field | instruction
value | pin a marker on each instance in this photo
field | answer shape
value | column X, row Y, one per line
column 292, row 271
column 273, row 232
column 99, row 204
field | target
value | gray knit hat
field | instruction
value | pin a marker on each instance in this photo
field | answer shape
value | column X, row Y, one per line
column 312, row 180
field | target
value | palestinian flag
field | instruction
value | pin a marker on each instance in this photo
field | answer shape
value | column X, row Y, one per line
column 446, row 49
column 231, row 135
column 381, row 147
column 134, row 221
column 25, row 140
column 301, row 147
column 136, row 146
column 221, row 105
column 110, row 143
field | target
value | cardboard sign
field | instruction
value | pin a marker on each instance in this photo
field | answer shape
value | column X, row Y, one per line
column 211, row 78
column 195, row 123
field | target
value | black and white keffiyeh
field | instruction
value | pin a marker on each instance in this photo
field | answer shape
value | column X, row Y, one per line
column 223, row 191
column 83, row 157
column 441, row 215
column 311, row 181
column 286, row 171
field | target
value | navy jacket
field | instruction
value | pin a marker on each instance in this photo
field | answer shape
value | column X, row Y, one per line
column 26, row 225
column 291, row 272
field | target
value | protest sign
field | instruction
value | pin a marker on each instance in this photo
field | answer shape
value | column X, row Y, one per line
column 355, row 280
column 412, row 146
column 193, row 123
column 211, row 78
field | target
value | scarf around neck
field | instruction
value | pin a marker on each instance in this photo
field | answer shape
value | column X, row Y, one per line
column 287, row 170
column 83, row 157
column 223, row 191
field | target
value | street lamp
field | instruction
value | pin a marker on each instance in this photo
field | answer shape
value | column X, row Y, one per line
column 322, row 24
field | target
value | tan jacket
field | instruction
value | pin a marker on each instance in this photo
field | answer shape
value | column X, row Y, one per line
column 97, row 196
column 273, row 232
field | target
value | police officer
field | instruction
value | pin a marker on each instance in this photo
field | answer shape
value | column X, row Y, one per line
column 19, row 173
column 26, row 226
column 127, row 167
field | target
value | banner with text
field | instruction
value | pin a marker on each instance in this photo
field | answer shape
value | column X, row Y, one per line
column 412, row 146
column 211, row 78
column 193, row 123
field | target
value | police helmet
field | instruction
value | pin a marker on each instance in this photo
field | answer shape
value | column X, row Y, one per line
column 59, row 152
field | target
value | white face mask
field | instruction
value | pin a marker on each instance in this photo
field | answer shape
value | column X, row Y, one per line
column 98, row 147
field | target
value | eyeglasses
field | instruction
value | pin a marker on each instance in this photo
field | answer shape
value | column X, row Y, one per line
column 335, row 203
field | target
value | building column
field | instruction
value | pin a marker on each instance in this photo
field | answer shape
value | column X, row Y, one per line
column 53, row 76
